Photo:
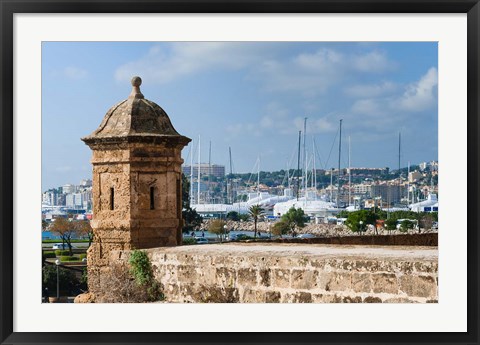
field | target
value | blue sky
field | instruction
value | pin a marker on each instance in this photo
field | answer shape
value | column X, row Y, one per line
column 250, row 96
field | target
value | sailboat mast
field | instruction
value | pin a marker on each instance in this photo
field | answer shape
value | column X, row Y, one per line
column 209, row 169
column 331, row 184
column 314, row 170
column 399, row 146
column 198, row 173
column 399, row 171
column 258, row 177
column 231, row 173
column 349, row 172
column 339, row 157
column 408, row 184
column 305, row 157
column 298, row 162
column 191, row 173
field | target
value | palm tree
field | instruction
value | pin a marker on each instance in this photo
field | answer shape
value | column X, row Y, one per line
column 255, row 212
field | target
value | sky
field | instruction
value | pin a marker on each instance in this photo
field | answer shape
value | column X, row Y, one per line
column 250, row 96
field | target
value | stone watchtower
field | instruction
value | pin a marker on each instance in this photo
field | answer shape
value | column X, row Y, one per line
column 137, row 182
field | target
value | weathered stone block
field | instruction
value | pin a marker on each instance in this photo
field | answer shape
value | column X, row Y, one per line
column 253, row 296
column 419, row 286
column 399, row 300
column 302, row 297
column 272, row 297
column 186, row 273
column 352, row 299
column 265, row 277
column 385, row 282
column 225, row 276
column 323, row 298
column 304, row 279
column 281, row 278
column 362, row 282
column 339, row 282
column 215, row 294
column 247, row 276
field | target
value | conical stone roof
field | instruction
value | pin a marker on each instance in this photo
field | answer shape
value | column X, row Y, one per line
column 135, row 119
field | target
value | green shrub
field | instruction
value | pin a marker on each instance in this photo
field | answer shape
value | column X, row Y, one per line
column 69, row 258
column 59, row 252
column 189, row 240
column 49, row 255
column 82, row 256
column 68, row 281
column 141, row 269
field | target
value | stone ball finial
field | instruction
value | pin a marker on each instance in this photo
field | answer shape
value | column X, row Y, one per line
column 136, row 93
column 136, row 81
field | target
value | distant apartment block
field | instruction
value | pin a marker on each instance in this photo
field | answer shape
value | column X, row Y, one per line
column 432, row 165
column 369, row 171
column 362, row 188
column 74, row 200
column 390, row 194
column 414, row 176
column 86, row 183
column 359, row 172
column 50, row 198
column 205, row 170
column 68, row 188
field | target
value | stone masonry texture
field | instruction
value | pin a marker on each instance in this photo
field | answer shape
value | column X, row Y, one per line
column 295, row 273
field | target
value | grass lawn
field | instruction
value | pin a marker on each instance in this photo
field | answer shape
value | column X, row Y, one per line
column 60, row 241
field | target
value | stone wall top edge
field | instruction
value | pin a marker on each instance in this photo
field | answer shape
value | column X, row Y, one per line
column 311, row 252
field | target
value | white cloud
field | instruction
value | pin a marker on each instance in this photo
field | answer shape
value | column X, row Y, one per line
column 243, row 129
column 305, row 74
column 374, row 61
column 417, row 96
column 74, row 73
column 371, row 90
column 421, row 95
column 369, row 107
column 181, row 59
column 320, row 60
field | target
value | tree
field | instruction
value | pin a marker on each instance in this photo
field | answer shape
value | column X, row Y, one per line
column 190, row 216
column 84, row 229
column 425, row 222
column 244, row 217
column 65, row 229
column 343, row 214
column 68, row 282
column 406, row 225
column 295, row 217
column 391, row 224
column 366, row 217
column 280, row 228
column 44, row 225
column 255, row 212
column 217, row 227
column 233, row 215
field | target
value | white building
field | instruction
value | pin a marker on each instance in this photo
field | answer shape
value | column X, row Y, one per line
column 68, row 188
column 362, row 188
column 428, row 205
column 49, row 198
column 414, row 176
column 74, row 200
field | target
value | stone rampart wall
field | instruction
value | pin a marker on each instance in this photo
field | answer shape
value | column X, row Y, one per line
column 260, row 273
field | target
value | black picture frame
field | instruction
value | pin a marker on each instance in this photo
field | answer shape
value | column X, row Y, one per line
column 10, row 7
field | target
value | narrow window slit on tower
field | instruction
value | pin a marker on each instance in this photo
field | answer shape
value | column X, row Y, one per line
column 152, row 198
column 112, row 198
